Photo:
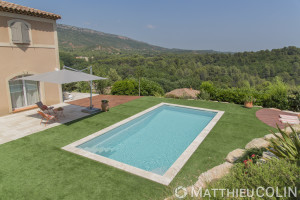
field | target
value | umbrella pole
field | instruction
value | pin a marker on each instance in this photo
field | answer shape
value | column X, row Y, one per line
column 89, row 109
column 91, row 89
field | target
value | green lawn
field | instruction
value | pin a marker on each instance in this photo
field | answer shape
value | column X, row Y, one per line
column 35, row 167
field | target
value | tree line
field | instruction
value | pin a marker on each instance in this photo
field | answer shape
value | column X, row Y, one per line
column 171, row 70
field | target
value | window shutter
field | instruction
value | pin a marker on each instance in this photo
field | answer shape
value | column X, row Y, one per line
column 16, row 32
column 25, row 33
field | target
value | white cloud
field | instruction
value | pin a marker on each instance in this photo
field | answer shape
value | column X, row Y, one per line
column 149, row 26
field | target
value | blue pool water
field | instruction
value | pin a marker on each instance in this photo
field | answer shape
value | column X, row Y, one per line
column 153, row 141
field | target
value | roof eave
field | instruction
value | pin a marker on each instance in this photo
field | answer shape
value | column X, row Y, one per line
column 22, row 12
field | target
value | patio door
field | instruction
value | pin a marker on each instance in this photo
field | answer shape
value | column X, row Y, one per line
column 23, row 93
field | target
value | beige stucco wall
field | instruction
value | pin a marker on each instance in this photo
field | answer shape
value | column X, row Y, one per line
column 3, row 30
column 38, row 57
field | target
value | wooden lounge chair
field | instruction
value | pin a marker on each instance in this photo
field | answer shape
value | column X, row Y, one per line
column 46, row 117
column 44, row 107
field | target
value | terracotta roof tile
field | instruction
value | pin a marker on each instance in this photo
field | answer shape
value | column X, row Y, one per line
column 23, row 10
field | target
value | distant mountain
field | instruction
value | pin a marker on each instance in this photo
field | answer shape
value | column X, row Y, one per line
column 73, row 38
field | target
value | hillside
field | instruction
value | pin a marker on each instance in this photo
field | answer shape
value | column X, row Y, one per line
column 73, row 38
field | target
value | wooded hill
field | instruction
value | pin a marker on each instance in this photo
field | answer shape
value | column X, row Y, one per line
column 82, row 40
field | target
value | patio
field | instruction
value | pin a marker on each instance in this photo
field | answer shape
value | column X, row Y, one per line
column 18, row 125
column 271, row 117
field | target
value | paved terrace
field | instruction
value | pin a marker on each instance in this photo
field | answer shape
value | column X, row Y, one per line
column 271, row 117
column 18, row 125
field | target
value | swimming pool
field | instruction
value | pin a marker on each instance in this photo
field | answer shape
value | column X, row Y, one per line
column 154, row 144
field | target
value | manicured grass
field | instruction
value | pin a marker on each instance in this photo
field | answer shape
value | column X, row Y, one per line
column 35, row 167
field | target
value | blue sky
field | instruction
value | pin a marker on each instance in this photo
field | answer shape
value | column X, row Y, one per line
column 222, row 25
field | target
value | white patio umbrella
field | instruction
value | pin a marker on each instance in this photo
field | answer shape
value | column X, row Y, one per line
column 62, row 77
column 66, row 76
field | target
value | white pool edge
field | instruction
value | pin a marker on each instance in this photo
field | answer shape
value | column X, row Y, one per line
column 171, row 172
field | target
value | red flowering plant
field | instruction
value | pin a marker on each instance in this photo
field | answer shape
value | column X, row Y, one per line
column 253, row 159
column 251, row 154
column 250, row 157
column 247, row 162
column 250, row 161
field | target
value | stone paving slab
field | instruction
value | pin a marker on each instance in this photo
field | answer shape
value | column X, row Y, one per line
column 18, row 125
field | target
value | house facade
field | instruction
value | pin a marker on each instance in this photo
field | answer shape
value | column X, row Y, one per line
column 28, row 46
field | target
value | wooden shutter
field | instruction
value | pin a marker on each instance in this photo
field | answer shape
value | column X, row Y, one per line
column 25, row 33
column 16, row 32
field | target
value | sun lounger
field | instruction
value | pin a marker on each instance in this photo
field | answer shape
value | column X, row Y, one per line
column 44, row 107
column 46, row 117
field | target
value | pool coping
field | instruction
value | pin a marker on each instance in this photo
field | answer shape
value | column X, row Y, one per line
column 171, row 172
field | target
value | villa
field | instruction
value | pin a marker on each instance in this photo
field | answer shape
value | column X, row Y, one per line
column 28, row 45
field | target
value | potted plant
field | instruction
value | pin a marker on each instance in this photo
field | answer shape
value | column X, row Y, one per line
column 104, row 105
column 248, row 101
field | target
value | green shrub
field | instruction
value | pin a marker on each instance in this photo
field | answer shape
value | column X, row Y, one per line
column 233, row 95
column 276, row 95
column 131, row 87
column 69, row 87
column 159, row 95
column 274, row 173
column 208, row 87
column 82, row 86
column 294, row 100
column 203, row 95
column 150, row 88
column 125, row 87
column 100, row 85
column 249, row 98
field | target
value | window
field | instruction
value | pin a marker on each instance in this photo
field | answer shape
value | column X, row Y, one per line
column 23, row 93
column 19, row 31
